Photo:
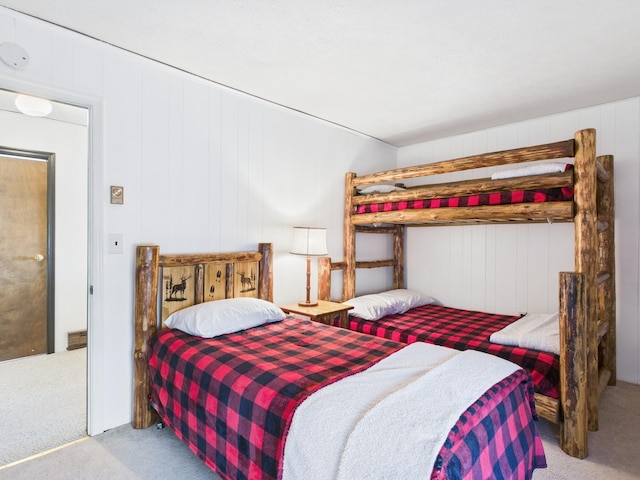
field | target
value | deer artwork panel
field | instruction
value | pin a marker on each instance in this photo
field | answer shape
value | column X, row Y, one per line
column 177, row 289
column 245, row 279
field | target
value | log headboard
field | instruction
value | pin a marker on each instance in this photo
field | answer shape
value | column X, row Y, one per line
column 168, row 283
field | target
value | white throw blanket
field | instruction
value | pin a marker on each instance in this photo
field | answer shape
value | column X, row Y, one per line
column 391, row 420
column 537, row 331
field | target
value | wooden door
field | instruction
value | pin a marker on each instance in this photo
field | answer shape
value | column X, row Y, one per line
column 23, row 257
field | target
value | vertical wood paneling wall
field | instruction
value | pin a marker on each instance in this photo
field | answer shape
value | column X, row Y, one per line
column 513, row 269
column 204, row 168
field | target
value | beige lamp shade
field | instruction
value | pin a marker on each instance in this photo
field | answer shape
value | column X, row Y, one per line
column 309, row 241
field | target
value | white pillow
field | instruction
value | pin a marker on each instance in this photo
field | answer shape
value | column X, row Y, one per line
column 371, row 307
column 377, row 305
column 210, row 319
column 536, row 169
column 410, row 298
column 379, row 189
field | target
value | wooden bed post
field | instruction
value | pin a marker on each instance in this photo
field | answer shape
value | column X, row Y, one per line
column 398, row 256
column 265, row 291
column 146, row 318
column 607, row 269
column 586, row 255
column 573, row 382
column 349, row 245
column 324, row 278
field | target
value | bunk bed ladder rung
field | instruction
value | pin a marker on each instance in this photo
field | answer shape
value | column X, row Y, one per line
column 602, row 226
column 601, row 172
column 602, row 278
column 603, row 327
column 604, row 377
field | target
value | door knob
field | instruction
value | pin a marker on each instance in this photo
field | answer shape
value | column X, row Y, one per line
column 38, row 258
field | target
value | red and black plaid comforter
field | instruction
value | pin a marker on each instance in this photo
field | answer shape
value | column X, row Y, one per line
column 503, row 414
column 464, row 330
column 231, row 399
column 493, row 198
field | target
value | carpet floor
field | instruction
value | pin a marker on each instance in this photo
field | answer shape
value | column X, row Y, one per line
column 43, row 403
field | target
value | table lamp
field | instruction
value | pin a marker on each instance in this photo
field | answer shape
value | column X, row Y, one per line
column 309, row 241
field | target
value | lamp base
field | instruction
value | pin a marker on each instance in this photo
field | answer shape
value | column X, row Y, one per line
column 308, row 304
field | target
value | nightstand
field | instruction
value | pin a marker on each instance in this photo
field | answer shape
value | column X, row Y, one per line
column 324, row 312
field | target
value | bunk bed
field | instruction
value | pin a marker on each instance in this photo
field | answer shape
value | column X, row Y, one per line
column 579, row 190
column 233, row 387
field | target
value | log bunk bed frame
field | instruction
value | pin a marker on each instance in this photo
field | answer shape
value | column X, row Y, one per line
column 587, row 301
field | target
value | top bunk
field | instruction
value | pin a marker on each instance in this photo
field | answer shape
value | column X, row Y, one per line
column 556, row 192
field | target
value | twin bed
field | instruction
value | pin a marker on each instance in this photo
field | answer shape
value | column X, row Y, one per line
column 565, row 183
column 257, row 394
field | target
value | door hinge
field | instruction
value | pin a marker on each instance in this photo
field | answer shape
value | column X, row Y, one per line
column 90, row 289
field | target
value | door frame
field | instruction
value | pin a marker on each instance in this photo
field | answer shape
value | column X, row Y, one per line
column 48, row 157
column 96, row 354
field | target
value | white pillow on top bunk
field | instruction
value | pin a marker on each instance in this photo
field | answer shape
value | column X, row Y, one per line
column 218, row 317
column 380, row 189
column 374, row 306
column 536, row 169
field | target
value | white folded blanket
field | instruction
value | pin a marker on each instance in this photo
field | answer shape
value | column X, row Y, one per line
column 536, row 331
column 353, row 429
column 536, row 169
column 401, row 436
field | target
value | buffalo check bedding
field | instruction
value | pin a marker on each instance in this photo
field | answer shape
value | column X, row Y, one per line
column 464, row 330
column 492, row 198
column 232, row 399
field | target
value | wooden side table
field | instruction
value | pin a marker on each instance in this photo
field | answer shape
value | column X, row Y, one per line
column 324, row 312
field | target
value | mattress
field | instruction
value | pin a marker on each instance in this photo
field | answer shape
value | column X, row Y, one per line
column 493, row 198
column 463, row 330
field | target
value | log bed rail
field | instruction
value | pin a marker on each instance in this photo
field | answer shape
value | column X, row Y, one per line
column 587, row 303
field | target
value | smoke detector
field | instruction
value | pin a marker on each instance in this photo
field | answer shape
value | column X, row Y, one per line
column 14, row 55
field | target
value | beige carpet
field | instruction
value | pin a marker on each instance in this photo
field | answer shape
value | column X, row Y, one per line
column 127, row 454
column 614, row 450
column 43, row 402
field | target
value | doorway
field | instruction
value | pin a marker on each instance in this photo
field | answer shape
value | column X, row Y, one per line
column 26, row 247
column 66, row 133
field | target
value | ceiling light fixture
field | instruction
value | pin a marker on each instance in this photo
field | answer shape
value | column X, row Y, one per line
column 34, row 106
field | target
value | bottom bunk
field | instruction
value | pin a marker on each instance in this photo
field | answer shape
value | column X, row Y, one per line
column 562, row 390
column 253, row 392
column 462, row 330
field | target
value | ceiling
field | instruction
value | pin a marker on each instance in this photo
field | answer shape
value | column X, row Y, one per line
column 403, row 71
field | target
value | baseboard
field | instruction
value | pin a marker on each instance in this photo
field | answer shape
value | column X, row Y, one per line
column 77, row 339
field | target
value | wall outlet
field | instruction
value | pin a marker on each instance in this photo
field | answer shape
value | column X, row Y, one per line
column 116, row 243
